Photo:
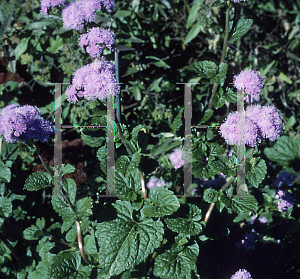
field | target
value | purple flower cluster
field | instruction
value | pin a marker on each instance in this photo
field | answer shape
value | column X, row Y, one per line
column 45, row 4
column 250, row 239
column 154, row 182
column 77, row 12
column 284, row 179
column 262, row 220
column 260, row 122
column 94, row 81
column 251, row 81
column 94, row 37
column 285, row 200
column 176, row 158
column 238, row 1
column 23, row 123
column 241, row 274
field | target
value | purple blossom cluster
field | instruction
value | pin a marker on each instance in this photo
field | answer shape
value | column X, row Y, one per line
column 249, row 240
column 94, row 37
column 251, row 81
column 46, row 4
column 77, row 12
column 241, row 274
column 155, row 182
column 260, row 122
column 176, row 158
column 285, row 200
column 94, row 81
column 262, row 220
column 284, row 179
column 23, row 123
column 238, row 1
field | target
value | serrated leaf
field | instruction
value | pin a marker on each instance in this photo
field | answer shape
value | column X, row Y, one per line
column 284, row 151
column 177, row 121
column 5, row 173
column 256, row 174
column 222, row 73
column 215, row 149
column 188, row 226
column 68, row 265
column 163, row 202
column 242, row 204
column 218, row 99
column 218, row 3
column 5, row 206
column 174, row 264
column 93, row 138
column 241, row 28
column 67, row 169
column 102, row 153
column 70, row 186
column 37, row 180
column 84, row 207
column 193, row 33
column 32, row 233
column 9, row 151
column 210, row 195
column 124, row 243
column 135, row 161
column 129, row 187
column 39, row 272
column 122, row 164
column 207, row 69
column 230, row 95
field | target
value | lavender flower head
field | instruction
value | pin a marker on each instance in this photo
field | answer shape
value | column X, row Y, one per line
column 176, row 158
column 284, row 178
column 285, row 200
column 238, row 1
column 154, row 182
column 228, row 130
column 94, row 37
column 45, row 4
column 94, row 81
column 77, row 12
column 249, row 80
column 23, row 123
column 241, row 274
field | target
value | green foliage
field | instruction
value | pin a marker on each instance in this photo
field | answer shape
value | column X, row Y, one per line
column 256, row 172
column 241, row 28
column 37, row 180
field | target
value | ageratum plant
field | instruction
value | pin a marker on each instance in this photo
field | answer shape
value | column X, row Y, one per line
column 146, row 231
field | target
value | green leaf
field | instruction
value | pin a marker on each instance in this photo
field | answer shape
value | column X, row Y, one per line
column 222, row 73
column 124, row 243
column 193, row 33
column 284, row 151
column 206, row 69
column 135, row 161
column 218, row 3
column 93, row 138
column 67, row 265
column 84, row 207
column 67, row 169
column 210, row 195
column 268, row 68
column 163, row 202
column 187, row 226
column 241, row 204
column 21, row 47
column 122, row 13
column 37, row 180
column 255, row 174
column 40, row 222
column 207, row 115
column 37, row 25
column 55, row 44
column 5, row 173
column 9, row 151
column 215, row 149
column 230, row 95
column 177, row 121
column 241, row 28
column 176, row 264
column 102, row 153
column 218, row 99
column 291, row 122
column 70, row 186
column 39, row 272
column 122, row 164
column 154, row 86
column 193, row 14
column 285, row 78
column 32, row 233
column 5, row 206
column 165, row 146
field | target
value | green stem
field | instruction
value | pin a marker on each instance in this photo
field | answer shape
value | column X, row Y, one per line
column 223, row 52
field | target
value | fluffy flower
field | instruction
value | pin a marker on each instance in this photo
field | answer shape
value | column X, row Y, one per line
column 285, row 200
column 284, row 178
column 228, row 130
column 249, row 80
column 94, row 37
column 241, row 274
column 45, row 4
column 176, row 158
column 23, row 123
column 77, row 12
column 154, row 182
column 238, row 1
column 94, row 81
column 267, row 119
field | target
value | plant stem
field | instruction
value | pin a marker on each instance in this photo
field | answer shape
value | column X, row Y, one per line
column 231, row 179
column 223, row 52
